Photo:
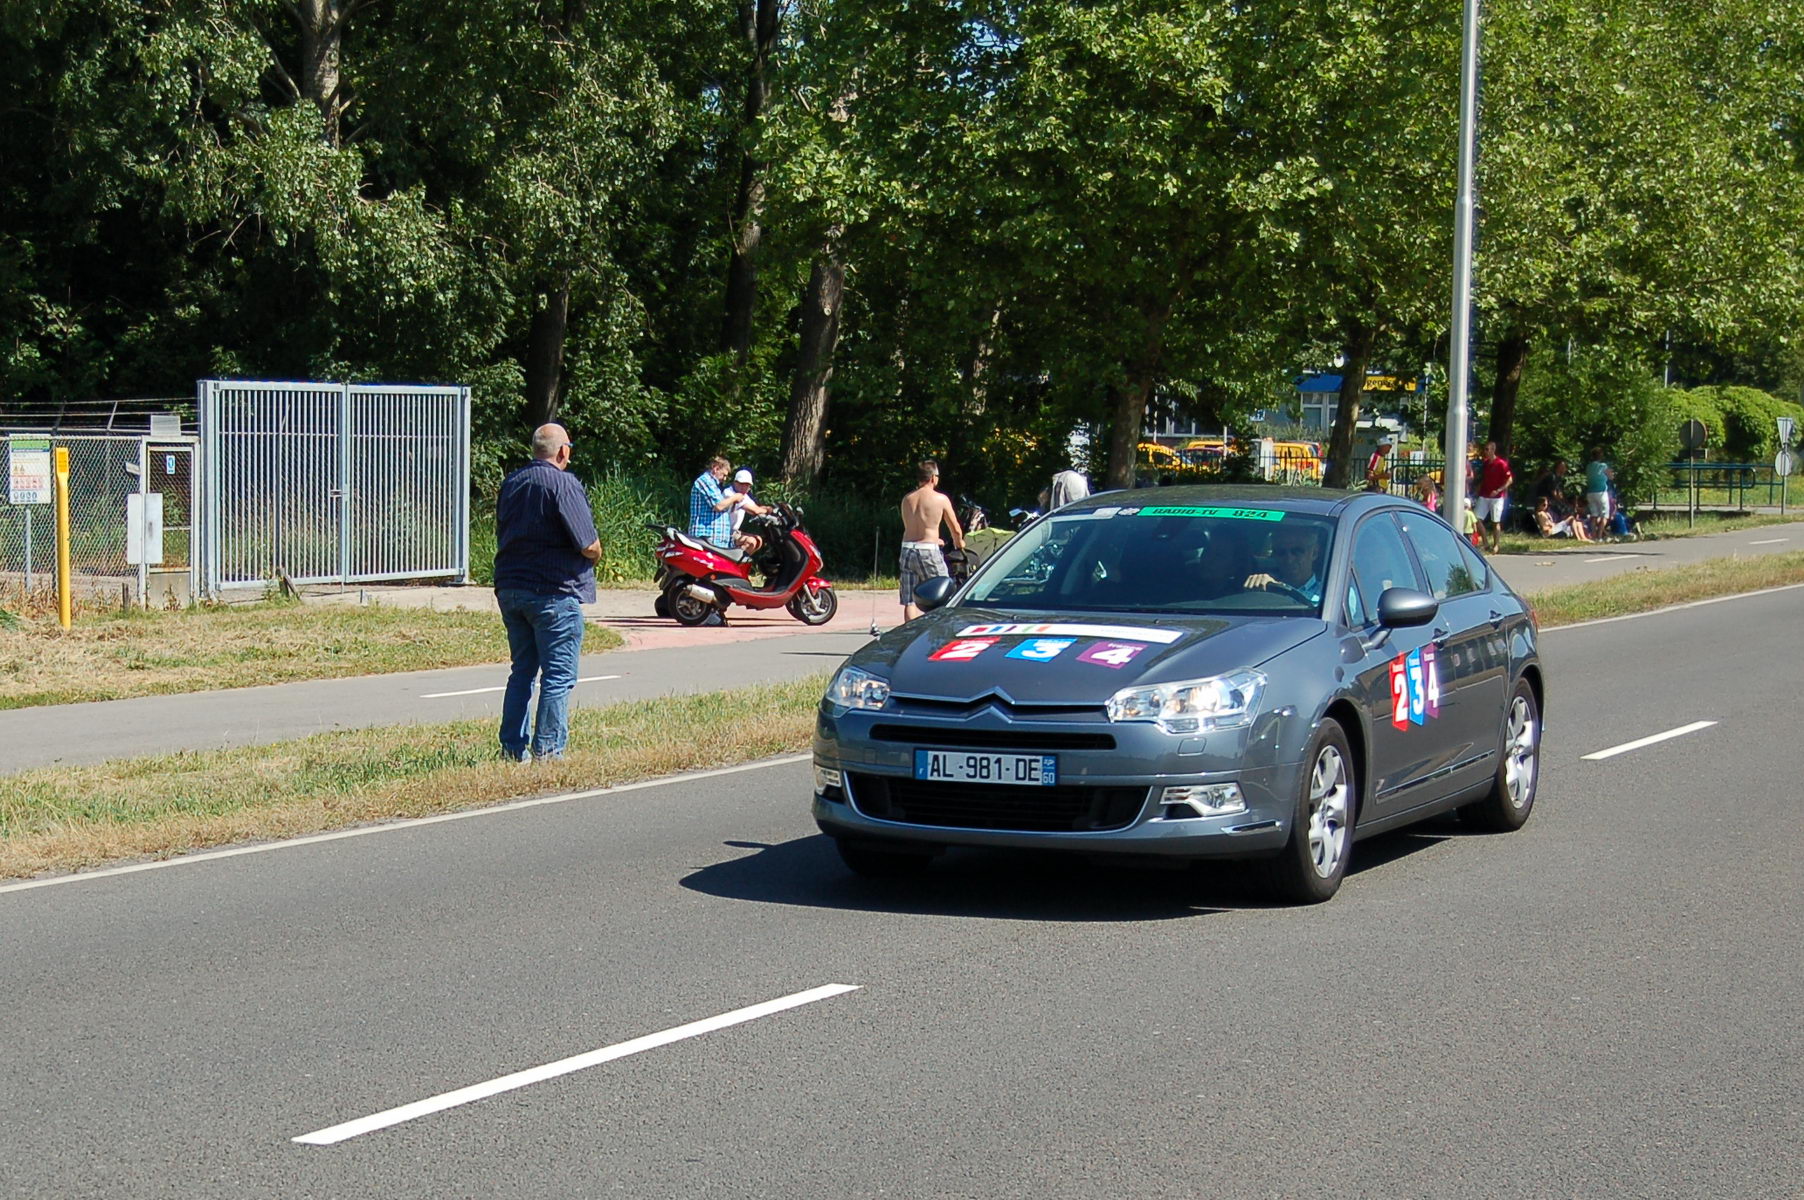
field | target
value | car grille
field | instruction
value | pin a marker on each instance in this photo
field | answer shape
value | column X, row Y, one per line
column 993, row 739
column 965, row 708
column 993, row 806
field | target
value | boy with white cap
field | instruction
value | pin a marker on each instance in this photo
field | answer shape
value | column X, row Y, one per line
column 751, row 543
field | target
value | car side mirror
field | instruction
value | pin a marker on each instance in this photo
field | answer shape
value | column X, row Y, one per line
column 1400, row 607
column 934, row 592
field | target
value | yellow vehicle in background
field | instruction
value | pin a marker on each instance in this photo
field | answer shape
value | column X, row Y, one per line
column 1298, row 458
column 1157, row 457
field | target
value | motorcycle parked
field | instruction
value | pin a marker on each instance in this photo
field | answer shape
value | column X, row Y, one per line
column 696, row 580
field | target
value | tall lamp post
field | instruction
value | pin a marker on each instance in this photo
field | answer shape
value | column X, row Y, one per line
column 1459, row 370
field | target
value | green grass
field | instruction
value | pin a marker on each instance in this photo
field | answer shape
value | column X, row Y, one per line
column 1646, row 590
column 115, row 655
column 62, row 819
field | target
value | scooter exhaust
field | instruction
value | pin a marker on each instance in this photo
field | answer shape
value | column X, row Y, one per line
column 705, row 595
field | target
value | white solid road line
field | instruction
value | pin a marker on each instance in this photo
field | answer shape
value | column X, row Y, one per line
column 564, row 1066
column 1638, row 743
column 503, row 688
column 1769, row 541
column 394, row 826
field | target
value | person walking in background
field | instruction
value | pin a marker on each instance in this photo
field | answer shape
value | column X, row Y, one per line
column 1598, row 477
column 923, row 511
column 1494, row 479
column 546, row 548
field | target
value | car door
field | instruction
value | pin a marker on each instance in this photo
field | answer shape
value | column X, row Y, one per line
column 1470, row 655
column 1396, row 677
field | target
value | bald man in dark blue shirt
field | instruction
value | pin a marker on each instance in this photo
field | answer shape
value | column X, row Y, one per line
column 545, row 553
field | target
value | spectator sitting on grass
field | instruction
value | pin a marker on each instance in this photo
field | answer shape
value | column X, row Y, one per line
column 1551, row 526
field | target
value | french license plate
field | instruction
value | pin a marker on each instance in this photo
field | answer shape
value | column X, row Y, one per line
column 968, row 766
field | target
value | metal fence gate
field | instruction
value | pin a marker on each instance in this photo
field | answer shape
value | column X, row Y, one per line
column 333, row 482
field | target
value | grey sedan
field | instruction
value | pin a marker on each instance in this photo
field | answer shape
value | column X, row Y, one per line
column 1197, row 673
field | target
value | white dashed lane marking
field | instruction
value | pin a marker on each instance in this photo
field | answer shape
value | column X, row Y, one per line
column 564, row 1066
column 1650, row 740
column 503, row 688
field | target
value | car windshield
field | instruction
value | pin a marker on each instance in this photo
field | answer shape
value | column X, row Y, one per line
column 1177, row 558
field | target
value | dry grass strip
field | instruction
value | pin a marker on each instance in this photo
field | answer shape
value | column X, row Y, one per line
column 1647, row 589
column 113, row 656
column 65, row 819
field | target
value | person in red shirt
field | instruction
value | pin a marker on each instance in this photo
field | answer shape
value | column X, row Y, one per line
column 1494, row 479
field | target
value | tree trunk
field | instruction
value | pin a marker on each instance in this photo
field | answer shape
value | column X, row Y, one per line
column 804, row 433
column 321, row 24
column 759, row 24
column 545, row 350
column 1127, row 404
column 1127, row 419
column 1356, row 354
column 974, row 373
column 1512, row 356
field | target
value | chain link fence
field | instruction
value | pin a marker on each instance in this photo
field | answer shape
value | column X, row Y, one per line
column 105, row 470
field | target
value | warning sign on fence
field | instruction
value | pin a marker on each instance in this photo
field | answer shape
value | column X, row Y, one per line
column 27, row 470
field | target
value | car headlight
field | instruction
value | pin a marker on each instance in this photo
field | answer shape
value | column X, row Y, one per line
column 855, row 688
column 1192, row 705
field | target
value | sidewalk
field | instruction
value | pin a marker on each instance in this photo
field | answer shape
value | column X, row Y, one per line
column 628, row 611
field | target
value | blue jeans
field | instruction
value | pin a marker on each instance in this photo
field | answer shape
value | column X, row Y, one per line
column 545, row 637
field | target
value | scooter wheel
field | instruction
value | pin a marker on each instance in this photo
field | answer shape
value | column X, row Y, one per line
column 686, row 608
column 814, row 608
column 661, row 606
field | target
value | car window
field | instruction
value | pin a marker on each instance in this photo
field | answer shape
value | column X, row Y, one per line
column 1438, row 550
column 1356, row 611
column 1475, row 563
column 1380, row 559
column 1163, row 558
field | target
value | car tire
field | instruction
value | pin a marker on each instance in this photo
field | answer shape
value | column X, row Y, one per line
column 1512, row 795
column 1310, row 867
column 868, row 862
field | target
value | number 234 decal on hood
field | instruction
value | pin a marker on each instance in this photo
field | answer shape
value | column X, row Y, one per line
column 1415, row 688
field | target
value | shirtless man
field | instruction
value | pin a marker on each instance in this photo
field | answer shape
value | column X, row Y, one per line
column 922, row 511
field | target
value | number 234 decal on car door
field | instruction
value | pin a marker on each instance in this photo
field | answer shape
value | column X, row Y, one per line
column 1415, row 688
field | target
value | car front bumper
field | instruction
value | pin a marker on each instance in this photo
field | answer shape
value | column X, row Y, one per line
column 1108, row 800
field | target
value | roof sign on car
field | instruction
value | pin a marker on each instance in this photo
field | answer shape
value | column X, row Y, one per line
column 1194, row 510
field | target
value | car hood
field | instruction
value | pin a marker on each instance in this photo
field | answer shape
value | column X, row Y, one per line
column 966, row 653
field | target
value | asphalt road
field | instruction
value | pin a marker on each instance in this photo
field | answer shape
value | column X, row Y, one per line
column 782, row 649
column 1604, row 1004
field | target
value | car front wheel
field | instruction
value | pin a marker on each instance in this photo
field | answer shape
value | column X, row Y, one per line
column 1309, row 868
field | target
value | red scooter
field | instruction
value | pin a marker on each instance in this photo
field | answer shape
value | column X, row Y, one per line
column 697, row 580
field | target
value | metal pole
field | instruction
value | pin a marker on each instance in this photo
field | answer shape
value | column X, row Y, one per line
column 64, row 584
column 28, row 552
column 144, row 523
column 1453, row 476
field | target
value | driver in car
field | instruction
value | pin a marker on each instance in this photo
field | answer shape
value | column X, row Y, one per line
column 1291, row 567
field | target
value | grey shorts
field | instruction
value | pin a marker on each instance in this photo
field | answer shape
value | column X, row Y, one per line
column 918, row 565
